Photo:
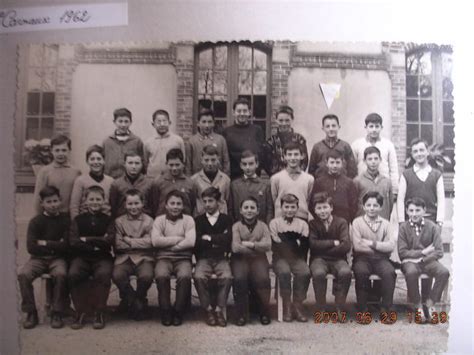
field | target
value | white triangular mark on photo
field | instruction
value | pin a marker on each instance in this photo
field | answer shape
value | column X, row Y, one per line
column 330, row 92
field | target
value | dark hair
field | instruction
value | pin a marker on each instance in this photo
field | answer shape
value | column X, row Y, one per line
column 122, row 112
column 160, row 112
column 285, row 109
column 335, row 154
column 249, row 198
column 175, row 193
column 373, row 118
column 205, row 112
column 49, row 191
column 210, row 150
column 322, row 197
column 417, row 141
column 417, row 201
column 289, row 198
column 132, row 153
column 241, row 101
column 330, row 117
column 95, row 188
column 373, row 194
column 59, row 139
column 248, row 154
column 175, row 153
column 134, row 192
column 95, row 149
column 371, row 150
column 293, row 146
column 212, row 192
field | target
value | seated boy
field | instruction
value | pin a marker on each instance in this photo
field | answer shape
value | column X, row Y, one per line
column 339, row 187
column 290, row 252
column 47, row 245
column 172, row 179
column 373, row 241
column 213, row 242
column 329, row 244
column 420, row 247
column 133, row 255
column 91, row 243
column 250, row 242
column 174, row 236
column 250, row 184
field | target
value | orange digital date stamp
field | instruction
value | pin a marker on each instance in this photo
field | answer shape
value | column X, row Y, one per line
column 323, row 317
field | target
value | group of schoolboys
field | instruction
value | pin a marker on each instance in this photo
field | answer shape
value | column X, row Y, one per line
column 236, row 222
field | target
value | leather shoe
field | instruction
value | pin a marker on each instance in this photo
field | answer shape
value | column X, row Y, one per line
column 177, row 319
column 166, row 318
column 78, row 322
column 299, row 315
column 264, row 319
column 99, row 322
column 56, row 321
column 221, row 319
column 287, row 314
column 31, row 320
column 241, row 321
column 211, row 319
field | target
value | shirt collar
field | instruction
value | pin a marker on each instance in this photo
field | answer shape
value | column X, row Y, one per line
column 255, row 176
column 369, row 141
column 167, row 176
column 166, row 135
column 65, row 165
column 140, row 217
column 331, row 142
column 370, row 177
column 203, row 137
column 420, row 223
column 417, row 168
column 215, row 215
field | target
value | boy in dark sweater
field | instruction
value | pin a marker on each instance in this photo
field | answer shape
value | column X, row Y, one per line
column 329, row 244
column 91, row 241
column 339, row 187
column 213, row 245
column 290, row 252
column 47, row 245
column 420, row 248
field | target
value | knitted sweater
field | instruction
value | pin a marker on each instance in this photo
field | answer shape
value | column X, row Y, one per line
column 166, row 233
column 96, row 228
column 202, row 182
column 115, row 150
column 410, row 245
column 156, row 149
column 51, row 229
column 382, row 185
column 260, row 236
column 293, row 236
column 78, row 195
column 277, row 142
column 121, row 185
column 317, row 162
column 194, row 147
column 321, row 241
column 384, row 238
column 221, row 237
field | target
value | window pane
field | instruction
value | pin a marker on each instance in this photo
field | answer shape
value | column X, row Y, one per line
column 220, row 106
column 260, row 60
column 205, row 82
column 424, row 64
column 220, row 82
column 245, row 82
column 260, row 106
column 413, row 132
column 448, row 112
column 426, row 133
column 48, row 103
column 49, row 80
column 204, row 103
column 47, row 127
column 260, row 82
column 220, row 59
column 245, row 57
column 448, row 136
column 220, row 125
column 447, row 88
column 412, row 86
column 35, row 55
column 205, row 59
column 50, row 55
column 412, row 110
column 449, row 167
column 426, row 108
column 35, row 77
column 32, row 128
column 447, row 64
column 33, row 103
column 425, row 86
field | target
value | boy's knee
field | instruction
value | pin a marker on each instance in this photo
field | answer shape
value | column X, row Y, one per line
column 344, row 273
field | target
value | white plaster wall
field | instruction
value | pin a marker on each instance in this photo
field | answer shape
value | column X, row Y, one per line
column 98, row 89
column 362, row 92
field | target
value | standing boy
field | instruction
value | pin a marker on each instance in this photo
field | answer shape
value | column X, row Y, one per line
column 389, row 164
column 372, row 180
column 59, row 173
column 329, row 244
column 210, row 175
column 339, row 187
column 292, row 180
column 213, row 246
column 290, row 252
column 331, row 126
column 250, row 184
column 174, row 236
column 120, row 142
column 47, row 246
column 132, row 179
column 206, row 136
column 157, row 147
column 172, row 179
column 133, row 255
column 420, row 247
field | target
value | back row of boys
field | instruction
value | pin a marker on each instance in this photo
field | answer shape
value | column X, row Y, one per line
column 290, row 192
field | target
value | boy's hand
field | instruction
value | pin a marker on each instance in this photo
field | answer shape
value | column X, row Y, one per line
column 206, row 237
column 83, row 239
column 367, row 242
column 42, row 243
column 276, row 239
column 336, row 243
column 429, row 249
column 248, row 244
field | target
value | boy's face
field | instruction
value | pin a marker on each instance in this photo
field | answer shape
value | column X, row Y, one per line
column 289, row 209
column 331, row 128
column 373, row 161
column 293, row 158
column 334, row 165
column 133, row 166
column 210, row 204
column 284, row 122
column 94, row 201
column 133, row 205
column 51, row 204
column 241, row 114
column 161, row 124
column 415, row 213
column 373, row 130
column 249, row 210
column 248, row 166
column 419, row 153
column 122, row 123
column 60, row 153
column 174, row 206
column 323, row 210
column 96, row 162
column 206, row 125
column 210, row 163
column 175, row 167
column 372, row 207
